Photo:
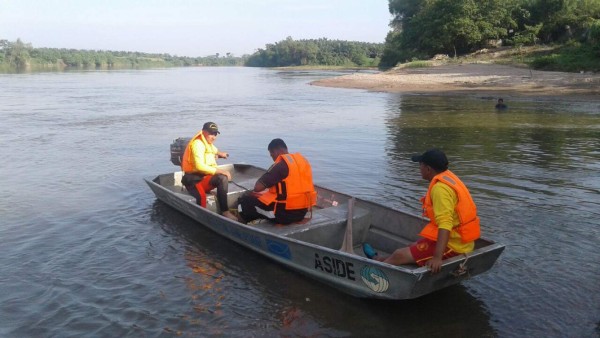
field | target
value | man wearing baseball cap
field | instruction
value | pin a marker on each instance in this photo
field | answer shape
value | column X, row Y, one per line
column 453, row 226
column 199, row 163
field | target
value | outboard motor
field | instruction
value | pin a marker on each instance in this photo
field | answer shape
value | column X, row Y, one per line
column 177, row 149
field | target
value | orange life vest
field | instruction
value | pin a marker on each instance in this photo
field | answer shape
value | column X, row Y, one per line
column 468, row 228
column 210, row 153
column 296, row 190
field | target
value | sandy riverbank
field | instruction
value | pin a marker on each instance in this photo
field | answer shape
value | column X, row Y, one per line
column 475, row 79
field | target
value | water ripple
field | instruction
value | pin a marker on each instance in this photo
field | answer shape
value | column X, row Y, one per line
column 88, row 250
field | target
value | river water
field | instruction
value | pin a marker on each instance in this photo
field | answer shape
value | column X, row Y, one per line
column 87, row 250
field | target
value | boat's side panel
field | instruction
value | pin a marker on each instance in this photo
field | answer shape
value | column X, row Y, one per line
column 350, row 273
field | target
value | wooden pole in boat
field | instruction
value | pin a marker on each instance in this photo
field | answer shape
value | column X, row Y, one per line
column 347, row 243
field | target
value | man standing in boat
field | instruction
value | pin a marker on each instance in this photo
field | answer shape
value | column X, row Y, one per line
column 199, row 163
column 290, row 193
column 453, row 226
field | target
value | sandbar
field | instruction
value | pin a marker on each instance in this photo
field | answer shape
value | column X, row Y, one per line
column 485, row 79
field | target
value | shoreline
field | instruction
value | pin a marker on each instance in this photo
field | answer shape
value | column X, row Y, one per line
column 490, row 80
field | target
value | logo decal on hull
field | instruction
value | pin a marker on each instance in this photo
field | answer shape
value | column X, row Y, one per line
column 374, row 278
column 279, row 249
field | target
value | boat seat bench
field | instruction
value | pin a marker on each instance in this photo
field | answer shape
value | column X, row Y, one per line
column 234, row 191
column 326, row 227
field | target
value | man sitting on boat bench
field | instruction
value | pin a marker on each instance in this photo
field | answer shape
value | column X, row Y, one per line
column 199, row 163
column 453, row 226
column 290, row 193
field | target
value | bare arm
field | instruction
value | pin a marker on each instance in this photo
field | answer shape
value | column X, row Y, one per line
column 274, row 175
column 259, row 186
column 435, row 264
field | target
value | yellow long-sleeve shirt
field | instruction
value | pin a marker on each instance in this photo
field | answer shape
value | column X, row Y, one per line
column 204, row 156
column 444, row 201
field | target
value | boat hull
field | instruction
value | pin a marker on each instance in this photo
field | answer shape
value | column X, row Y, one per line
column 313, row 248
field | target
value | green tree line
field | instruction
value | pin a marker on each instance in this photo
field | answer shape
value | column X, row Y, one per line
column 317, row 52
column 16, row 56
column 424, row 28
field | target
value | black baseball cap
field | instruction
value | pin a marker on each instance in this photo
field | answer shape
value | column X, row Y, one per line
column 211, row 127
column 434, row 158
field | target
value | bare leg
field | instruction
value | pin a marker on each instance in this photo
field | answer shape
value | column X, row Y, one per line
column 230, row 215
column 398, row 257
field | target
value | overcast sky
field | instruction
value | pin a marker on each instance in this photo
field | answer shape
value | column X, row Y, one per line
column 189, row 27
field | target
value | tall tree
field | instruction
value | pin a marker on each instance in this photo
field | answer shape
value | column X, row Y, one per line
column 424, row 28
column 404, row 10
column 562, row 19
column 17, row 54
